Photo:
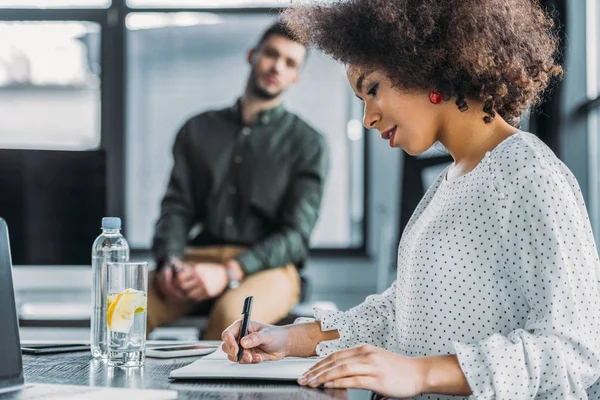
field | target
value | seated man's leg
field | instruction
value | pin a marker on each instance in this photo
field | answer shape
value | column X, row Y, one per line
column 275, row 292
column 159, row 310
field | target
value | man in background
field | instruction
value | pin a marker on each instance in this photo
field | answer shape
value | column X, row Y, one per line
column 251, row 178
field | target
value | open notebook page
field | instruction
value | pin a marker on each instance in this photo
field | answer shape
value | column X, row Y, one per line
column 217, row 366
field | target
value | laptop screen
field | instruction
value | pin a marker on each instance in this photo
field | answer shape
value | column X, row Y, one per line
column 11, row 367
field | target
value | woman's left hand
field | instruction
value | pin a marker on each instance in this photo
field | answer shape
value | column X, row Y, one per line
column 368, row 367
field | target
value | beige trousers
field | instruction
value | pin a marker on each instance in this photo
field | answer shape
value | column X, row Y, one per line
column 275, row 292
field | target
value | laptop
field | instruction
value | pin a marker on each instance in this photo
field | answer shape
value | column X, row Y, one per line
column 11, row 363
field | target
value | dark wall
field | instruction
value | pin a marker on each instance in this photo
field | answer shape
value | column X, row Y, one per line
column 53, row 203
column 545, row 120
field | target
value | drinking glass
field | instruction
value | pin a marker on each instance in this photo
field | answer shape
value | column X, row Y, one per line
column 127, row 288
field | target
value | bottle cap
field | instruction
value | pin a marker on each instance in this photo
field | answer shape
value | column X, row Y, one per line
column 111, row 223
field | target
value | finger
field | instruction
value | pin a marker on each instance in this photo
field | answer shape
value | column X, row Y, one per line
column 255, row 339
column 168, row 286
column 185, row 273
column 184, row 277
column 229, row 337
column 355, row 382
column 176, row 292
column 256, row 358
column 246, row 357
column 342, row 354
column 189, row 285
column 226, row 348
column 198, row 294
column 178, row 266
column 232, row 358
column 170, row 282
column 338, row 371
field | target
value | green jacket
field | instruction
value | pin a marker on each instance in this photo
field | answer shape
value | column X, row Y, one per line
column 259, row 185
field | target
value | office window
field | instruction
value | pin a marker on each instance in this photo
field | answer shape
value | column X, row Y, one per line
column 54, row 3
column 50, row 85
column 207, row 3
column 180, row 64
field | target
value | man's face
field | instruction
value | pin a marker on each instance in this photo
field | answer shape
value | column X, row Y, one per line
column 275, row 66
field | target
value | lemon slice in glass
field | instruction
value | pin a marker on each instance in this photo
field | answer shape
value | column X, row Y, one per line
column 122, row 308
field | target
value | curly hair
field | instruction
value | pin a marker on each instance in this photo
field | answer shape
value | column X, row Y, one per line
column 498, row 52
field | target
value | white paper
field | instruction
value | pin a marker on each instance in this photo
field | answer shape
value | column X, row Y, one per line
column 217, row 366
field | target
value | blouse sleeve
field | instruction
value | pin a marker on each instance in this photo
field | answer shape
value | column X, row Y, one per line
column 371, row 322
column 549, row 251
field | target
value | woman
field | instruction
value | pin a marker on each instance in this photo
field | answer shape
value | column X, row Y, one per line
column 497, row 292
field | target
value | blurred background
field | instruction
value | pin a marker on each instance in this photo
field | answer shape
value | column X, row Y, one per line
column 92, row 93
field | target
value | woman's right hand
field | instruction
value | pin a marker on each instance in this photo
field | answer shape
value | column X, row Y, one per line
column 263, row 342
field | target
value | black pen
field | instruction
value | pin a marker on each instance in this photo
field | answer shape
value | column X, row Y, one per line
column 246, row 312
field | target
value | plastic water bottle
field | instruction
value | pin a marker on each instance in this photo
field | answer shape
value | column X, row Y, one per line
column 110, row 246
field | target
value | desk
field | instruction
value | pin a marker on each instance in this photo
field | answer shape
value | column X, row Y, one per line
column 81, row 369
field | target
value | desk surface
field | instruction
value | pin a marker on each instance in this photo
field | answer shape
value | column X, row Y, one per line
column 81, row 369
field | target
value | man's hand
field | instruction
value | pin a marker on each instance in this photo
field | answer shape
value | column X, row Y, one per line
column 202, row 281
column 166, row 283
column 235, row 269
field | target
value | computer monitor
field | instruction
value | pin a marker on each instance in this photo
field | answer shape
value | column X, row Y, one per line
column 54, row 202
column 11, row 364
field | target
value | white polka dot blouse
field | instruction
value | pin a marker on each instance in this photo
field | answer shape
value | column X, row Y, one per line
column 498, row 266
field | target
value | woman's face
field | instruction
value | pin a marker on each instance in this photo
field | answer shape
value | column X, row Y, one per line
column 406, row 119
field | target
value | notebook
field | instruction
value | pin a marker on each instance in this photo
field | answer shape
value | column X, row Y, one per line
column 217, row 366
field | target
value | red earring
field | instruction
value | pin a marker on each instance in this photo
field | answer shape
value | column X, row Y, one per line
column 435, row 97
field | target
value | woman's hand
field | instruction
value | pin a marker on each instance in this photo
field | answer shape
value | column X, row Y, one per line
column 263, row 342
column 368, row 367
